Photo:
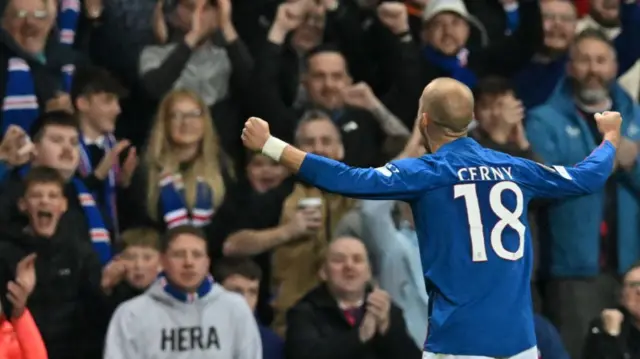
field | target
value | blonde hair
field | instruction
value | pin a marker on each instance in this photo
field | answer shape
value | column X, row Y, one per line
column 160, row 159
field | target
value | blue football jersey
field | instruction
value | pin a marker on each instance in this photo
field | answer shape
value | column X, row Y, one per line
column 470, row 209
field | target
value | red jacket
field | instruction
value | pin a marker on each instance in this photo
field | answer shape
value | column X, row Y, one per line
column 20, row 338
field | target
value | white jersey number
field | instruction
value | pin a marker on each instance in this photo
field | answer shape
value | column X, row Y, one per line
column 505, row 216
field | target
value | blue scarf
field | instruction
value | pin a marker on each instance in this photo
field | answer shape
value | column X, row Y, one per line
column 68, row 16
column 454, row 65
column 97, row 230
column 181, row 295
column 86, row 169
column 513, row 18
column 174, row 208
column 20, row 106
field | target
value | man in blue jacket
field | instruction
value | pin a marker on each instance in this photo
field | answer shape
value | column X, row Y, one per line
column 587, row 241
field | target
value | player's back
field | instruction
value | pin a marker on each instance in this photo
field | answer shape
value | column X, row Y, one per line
column 476, row 254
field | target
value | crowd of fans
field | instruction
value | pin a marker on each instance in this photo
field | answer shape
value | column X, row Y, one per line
column 131, row 217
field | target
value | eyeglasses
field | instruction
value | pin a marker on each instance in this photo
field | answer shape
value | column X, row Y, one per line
column 35, row 14
column 186, row 116
column 632, row 284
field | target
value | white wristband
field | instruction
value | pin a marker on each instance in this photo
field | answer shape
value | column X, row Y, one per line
column 273, row 148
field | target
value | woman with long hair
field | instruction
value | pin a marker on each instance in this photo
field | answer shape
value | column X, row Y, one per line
column 185, row 175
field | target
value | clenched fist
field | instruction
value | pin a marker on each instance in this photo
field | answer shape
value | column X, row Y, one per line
column 255, row 133
column 609, row 123
column 394, row 16
column 612, row 321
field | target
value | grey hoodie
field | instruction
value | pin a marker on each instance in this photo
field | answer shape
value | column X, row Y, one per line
column 155, row 325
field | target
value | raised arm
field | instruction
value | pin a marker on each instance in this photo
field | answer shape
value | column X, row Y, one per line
column 402, row 179
column 586, row 177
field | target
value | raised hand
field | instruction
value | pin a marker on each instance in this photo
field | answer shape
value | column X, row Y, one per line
column 159, row 24
column 127, row 168
column 361, row 96
column 609, row 123
column 113, row 273
column 18, row 291
column 110, row 158
column 290, row 15
column 612, row 321
column 16, row 148
column 255, row 133
column 394, row 16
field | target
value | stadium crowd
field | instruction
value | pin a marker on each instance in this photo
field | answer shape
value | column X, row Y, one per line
column 133, row 223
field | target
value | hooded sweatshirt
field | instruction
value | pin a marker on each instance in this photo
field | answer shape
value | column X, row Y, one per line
column 218, row 324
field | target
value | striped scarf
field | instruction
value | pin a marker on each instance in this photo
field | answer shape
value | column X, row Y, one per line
column 97, row 230
column 173, row 203
column 86, row 169
column 181, row 295
column 20, row 106
column 68, row 16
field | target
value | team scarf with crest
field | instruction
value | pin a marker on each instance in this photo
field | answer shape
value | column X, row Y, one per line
column 20, row 106
column 174, row 205
column 97, row 229
column 86, row 169
column 456, row 65
column 203, row 289
column 68, row 16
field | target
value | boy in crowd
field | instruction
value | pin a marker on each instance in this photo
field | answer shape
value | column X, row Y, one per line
column 243, row 276
column 95, row 95
column 141, row 254
column 70, row 281
column 55, row 140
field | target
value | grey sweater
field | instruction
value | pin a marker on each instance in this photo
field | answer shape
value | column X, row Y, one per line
column 157, row 326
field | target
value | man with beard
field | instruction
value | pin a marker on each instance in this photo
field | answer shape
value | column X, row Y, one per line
column 605, row 16
column 588, row 241
column 537, row 81
column 55, row 137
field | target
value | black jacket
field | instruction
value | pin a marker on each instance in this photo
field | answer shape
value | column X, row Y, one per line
column 317, row 329
column 68, row 275
column 600, row 345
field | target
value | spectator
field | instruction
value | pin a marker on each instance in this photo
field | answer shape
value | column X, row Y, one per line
column 207, row 58
column 141, row 253
column 345, row 317
column 55, row 136
column 19, row 335
column 615, row 333
column 364, row 122
column 443, row 52
column 258, row 207
column 585, row 257
column 70, row 281
column 399, row 268
column 309, row 217
column 36, row 69
column 95, row 95
column 500, row 127
column 537, row 81
column 184, row 310
column 605, row 16
column 185, row 176
column 243, row 276
column 16, row 150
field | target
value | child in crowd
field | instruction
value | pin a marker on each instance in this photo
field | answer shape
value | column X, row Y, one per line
column 243, row 276
column 141, row 252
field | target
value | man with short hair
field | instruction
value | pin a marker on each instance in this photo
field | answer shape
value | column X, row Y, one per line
column 185, row 313
column 477, row 273
column 243, row 276
column 585, row 257
column 345, row 316
column 55, row 138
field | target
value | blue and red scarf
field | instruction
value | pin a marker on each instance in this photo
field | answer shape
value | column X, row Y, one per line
column 98, row 232
column 20, row 105
column 181, row 295
column 456, row 65
column 86, row 169
column 68, row 16
column 175, row 211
